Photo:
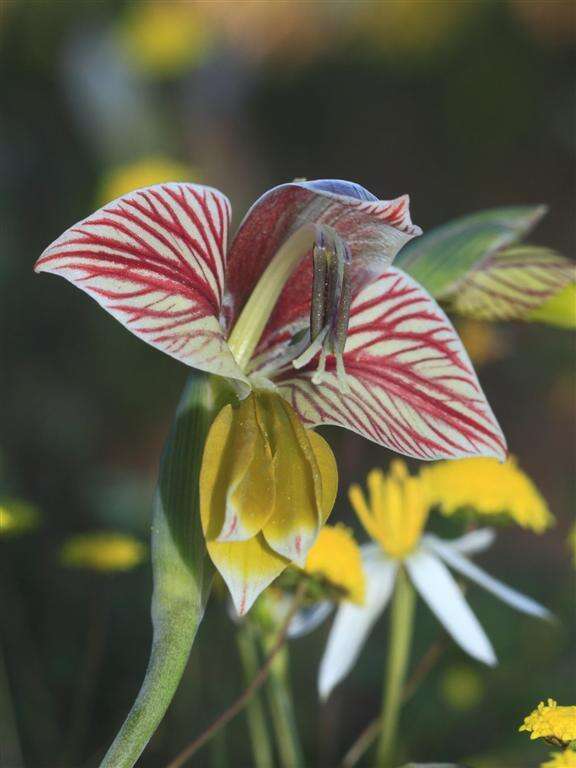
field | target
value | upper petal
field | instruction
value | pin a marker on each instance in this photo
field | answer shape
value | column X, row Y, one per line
column 155, row 260
column 412, row 385
column 374, row 231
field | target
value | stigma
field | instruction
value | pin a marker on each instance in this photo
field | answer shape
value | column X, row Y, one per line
column 330, row 305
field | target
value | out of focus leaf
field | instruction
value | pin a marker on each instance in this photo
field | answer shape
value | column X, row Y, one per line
column 558, row 310
column 521, row 283
column 440, row 258
column 182, row 570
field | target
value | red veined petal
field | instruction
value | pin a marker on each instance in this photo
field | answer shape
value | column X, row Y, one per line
column 373, row 229
column 412, row 386
column 155, row 259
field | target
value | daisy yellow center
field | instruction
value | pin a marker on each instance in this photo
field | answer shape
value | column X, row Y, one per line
column 550, row 721
column 395, row 511
column 335, row 557
column 490, row 488
column 106, row 552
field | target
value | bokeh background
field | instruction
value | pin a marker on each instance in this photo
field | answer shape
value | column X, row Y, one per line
column 464, row 105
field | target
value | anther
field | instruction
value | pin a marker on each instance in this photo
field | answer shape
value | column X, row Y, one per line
column 330, row 306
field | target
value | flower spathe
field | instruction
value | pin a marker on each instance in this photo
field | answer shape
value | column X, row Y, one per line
column 304, row 302
column 394, row 515
column 551, row 721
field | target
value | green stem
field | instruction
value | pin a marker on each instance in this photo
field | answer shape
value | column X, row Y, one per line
column 282, row 710
column 261, row 747
column 402, row 620
column 182, row 570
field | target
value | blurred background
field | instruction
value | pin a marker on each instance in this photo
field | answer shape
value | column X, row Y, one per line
column 465, row 106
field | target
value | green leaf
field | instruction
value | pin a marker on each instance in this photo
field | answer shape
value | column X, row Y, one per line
column 182, row 569
column 440, row 258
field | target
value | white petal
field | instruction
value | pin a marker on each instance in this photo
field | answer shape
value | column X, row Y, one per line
column 439, row 590
column 470, row 543
column 508, row 595
column 354, row 622
column 308, row 619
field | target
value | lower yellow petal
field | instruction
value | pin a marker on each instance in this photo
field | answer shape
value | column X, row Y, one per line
column 236, row 483
column 247, row 567
column 328, row 472
column 298, row 507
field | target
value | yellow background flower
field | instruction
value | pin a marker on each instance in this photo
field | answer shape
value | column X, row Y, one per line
column 153, row 169
column 396, row 510
column 105, row 551
column 165, row 38
column 17, row 517
column 566, row 759
column 490, row 488
column 335, row 556
column 549, row 720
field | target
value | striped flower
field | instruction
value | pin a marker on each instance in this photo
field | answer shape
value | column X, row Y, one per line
column 304, row 313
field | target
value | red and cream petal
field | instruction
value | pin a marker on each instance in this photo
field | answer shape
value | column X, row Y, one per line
column 412, row 387
column 247, row 567
column 373, row 229
column 155, row 259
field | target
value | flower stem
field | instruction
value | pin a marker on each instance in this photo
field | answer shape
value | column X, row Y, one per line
column 238, row 705
column 402, row 620
column 282, row 709
column 261, row 747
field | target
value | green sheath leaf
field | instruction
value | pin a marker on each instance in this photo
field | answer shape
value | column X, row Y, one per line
column 182, row 569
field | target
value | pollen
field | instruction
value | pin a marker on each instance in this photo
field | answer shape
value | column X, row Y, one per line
column 490, row 488
column 551, row 722
column 103, row 551
column 396, row 509
column 335, row 557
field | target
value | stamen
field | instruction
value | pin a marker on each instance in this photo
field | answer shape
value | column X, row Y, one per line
column 312, row 350
column 330, row 308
